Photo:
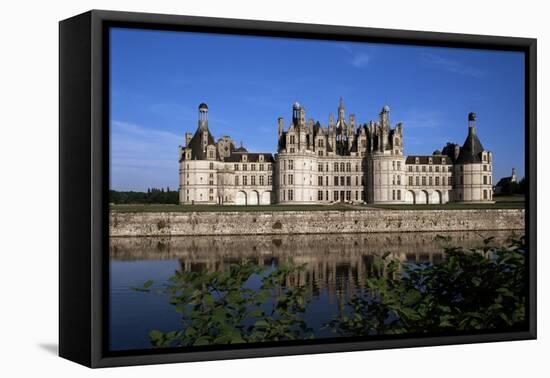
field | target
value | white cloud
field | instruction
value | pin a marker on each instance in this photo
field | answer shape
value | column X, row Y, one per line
column 360, row 60
column 450, row 65
column 143, row 157
column 357, row 58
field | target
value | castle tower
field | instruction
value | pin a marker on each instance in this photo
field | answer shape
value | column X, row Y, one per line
column 385, row 162
column 473, row 170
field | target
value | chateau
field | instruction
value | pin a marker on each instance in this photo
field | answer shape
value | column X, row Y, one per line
column 342, row 162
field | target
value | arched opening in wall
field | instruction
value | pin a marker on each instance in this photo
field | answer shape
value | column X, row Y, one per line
column 422, row 197
column 410, row 197
column 437, row 197
column 266, row 198
column 240, row 199
column 254, row 198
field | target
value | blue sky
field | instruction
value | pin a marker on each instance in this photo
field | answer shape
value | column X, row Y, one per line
column 158, row 79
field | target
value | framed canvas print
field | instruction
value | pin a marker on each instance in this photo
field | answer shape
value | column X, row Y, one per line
column 234, row 188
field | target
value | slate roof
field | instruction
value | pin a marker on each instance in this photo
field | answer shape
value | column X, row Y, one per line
column 436, row 159
column 471, row 150
column 195, row 144
column 250, row 157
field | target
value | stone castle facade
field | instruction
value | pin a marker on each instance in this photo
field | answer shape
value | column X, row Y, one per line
column 342, row 162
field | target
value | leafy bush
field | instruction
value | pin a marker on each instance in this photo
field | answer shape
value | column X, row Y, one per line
column 478, row 289
column 221, row 308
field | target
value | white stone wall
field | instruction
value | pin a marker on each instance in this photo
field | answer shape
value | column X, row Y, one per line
column 473, row 183
column 386, row 178
column 214, row 182
column 428, row 183
column 306, row 178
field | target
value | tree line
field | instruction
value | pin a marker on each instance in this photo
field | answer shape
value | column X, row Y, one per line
column 153, row 195
column 511, row 188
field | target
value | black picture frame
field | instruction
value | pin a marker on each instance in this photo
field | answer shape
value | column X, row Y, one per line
column 84, row 177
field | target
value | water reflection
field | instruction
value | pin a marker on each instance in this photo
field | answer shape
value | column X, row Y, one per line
column 335, row 264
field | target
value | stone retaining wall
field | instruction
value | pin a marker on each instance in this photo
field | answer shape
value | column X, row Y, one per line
column 313, row 222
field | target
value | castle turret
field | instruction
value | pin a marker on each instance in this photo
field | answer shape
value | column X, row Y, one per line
column 473, row 168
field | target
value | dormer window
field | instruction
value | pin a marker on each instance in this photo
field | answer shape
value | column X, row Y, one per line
column 261, row 158
column 416, row 160
column 442, row 160
column 430, row 161
column 244, row 158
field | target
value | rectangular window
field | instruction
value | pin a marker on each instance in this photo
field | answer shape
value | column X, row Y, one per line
column 245, row 167
column 320, row 167
column 211, row 165
column 320, row 180
column 393, row 195
column 269, row 180
column 326, row 180
column 410, row 168
column 262, row 180
column 291, row 164
column 236, row 166
column 437, row 168
column 320, row 195
column 342, row 180
column 484, row 193
column 484, row 180
column 356, row 180
column 236, row 180
column 398, row 165
column 398, row 179
column 252, row 167
column 335, row 167
column 410, row 180
column 335, row 181
column 290, row 179
column 261, row 167
column 417, row 168
column 348, row 180
column 430, row 180
column 424, row 180
column 252, row 180
column 423, row 168
column 245, row 180
column 348, row 195
column 356, row 195
column 437, row 181
column 399, row 195
column 335, row 195
column 417, row 180
column 290, row 195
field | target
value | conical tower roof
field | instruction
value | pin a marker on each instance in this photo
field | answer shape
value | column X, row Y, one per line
column 472, row 148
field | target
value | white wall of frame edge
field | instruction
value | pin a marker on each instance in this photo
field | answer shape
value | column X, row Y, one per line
column 28, row 151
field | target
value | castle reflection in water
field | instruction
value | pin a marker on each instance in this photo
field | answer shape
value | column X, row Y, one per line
column 334, row 263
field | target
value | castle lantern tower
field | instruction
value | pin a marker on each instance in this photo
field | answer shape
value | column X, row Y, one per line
column 341, row 110
column 203, row 116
